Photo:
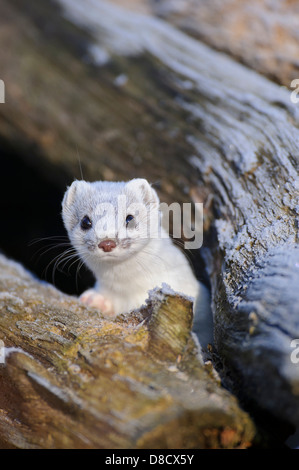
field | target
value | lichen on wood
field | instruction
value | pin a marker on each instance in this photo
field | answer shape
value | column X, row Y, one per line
column 73, row 379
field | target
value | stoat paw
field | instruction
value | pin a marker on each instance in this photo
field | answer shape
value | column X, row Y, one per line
column 93, row 299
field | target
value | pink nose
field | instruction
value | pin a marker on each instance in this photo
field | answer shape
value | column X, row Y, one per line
column 107, row 245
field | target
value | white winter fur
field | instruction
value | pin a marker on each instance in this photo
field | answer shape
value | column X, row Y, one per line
column 138, row 263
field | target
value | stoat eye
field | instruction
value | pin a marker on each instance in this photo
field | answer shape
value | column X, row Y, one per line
column 129, row 219
column 86, row 223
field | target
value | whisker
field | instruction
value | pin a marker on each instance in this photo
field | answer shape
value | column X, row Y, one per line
column 79, row 161
column 65, row 261
column 54, row 237
column 78, row 273
column 59, row 258
column 52, row 247
column 76, row 261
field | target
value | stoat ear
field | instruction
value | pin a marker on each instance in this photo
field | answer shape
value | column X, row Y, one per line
column 142, row 186
column 69, row 196
column 68, row 204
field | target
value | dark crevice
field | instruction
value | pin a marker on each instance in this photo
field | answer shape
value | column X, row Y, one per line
column 30, row 204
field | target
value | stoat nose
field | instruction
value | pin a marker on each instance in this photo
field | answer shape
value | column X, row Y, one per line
column 107, row 245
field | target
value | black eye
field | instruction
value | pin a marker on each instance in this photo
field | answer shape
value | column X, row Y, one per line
column 129, row 219
column 86, row 223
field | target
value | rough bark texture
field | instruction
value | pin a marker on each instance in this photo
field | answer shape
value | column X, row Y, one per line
column 137, row 97
column 261, row 34
column 72, row 379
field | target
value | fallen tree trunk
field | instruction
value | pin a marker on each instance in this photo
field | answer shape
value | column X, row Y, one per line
column 156, row 103
column 72, row 379
column 261, row 34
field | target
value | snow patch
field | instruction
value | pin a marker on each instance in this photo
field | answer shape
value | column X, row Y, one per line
column 225, row 233
column 158, row 294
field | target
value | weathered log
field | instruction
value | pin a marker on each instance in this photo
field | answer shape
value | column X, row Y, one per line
column 206, row 127
column 72, row 379
column 261, row 34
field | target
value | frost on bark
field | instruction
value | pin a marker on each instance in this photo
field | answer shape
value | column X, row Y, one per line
column 261, row 34
column 72, row 379
column 138, row 97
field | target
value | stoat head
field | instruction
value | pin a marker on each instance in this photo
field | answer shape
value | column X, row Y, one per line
column 110, row 221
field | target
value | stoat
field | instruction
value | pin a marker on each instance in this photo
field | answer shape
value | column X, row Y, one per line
column 116, row 229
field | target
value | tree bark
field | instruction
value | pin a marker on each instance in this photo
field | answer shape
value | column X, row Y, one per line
column 137, row 97
column 263, row 35
column 73, row 379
